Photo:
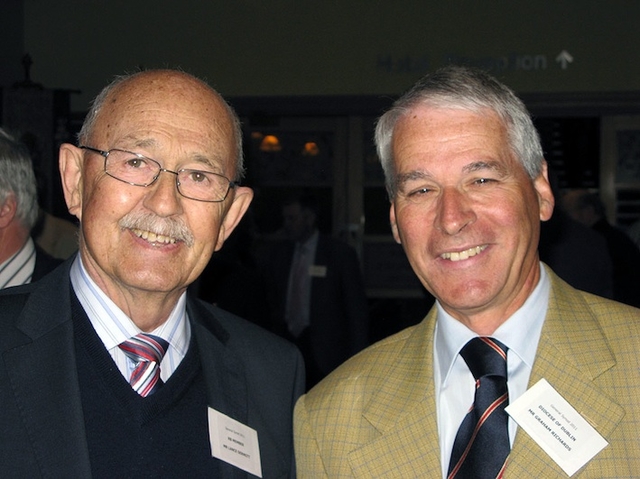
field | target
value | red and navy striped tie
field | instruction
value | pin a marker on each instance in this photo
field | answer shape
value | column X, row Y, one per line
column 482, row 445
column 147, row 351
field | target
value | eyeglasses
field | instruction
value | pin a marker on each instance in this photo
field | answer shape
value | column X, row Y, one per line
column 138, row 170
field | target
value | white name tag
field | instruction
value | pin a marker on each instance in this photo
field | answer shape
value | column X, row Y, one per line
column 557, row 427
column 317, row 271
column 234, row 443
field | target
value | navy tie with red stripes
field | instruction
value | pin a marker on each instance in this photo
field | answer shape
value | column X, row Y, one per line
column 147, row 351
column 482, row 445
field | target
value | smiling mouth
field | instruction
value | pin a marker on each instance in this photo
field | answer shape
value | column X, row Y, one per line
column 462, row 255
column 154, row 238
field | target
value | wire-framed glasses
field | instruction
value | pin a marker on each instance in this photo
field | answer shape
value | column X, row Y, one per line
column 138, row 170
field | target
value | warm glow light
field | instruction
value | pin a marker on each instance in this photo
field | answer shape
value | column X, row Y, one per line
column 310, row 149
column 270, row 143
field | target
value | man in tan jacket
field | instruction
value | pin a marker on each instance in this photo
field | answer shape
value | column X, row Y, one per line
column 468, row 187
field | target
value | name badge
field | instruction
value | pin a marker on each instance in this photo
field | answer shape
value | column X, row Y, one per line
column 317, row 271
column 234, row 443
column 557, row 427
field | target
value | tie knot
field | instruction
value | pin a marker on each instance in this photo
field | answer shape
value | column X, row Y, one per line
column 485, row 357
column 145, row 347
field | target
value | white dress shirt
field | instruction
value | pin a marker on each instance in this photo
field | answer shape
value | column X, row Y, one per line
column 114, row 326
column 19, row 268
column 297, row 312
column 454, row 383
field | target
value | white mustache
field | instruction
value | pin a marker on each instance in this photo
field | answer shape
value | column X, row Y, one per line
column 171, row 227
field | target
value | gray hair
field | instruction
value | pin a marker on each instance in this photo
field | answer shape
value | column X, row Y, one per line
column 17, row 178
column 466, row 89
column 98, row 102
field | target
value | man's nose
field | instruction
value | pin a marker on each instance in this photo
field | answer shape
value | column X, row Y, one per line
column 454, row 211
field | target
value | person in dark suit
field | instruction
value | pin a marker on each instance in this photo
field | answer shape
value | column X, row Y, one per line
column 21, row 260
column 564, row 245
column 587, row 208
column 110, row 368
column 316, row 292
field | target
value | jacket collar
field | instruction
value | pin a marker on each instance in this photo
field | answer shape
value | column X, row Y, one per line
column 403, row 410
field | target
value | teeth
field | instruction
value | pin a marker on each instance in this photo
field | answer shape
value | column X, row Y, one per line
column 152, row 237
column 462, row 255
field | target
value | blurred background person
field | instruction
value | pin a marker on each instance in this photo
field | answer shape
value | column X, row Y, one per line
column 565, row 244
column 316, row 292
column 231, row 280
column 634, row 232
column 21, row 260
column 588, row 209
column 56, row 235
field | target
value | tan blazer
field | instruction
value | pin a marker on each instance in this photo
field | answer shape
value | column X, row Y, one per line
column 375, row 416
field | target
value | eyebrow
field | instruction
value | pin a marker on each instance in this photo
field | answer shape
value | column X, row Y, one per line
column 198, row 158
column 140, row 143
column 483, row 165
column 205, row 161
column 469, row 168
column 412, row 175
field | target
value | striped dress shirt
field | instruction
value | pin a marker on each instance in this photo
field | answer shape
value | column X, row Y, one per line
column 113, row 326
column 19, row 268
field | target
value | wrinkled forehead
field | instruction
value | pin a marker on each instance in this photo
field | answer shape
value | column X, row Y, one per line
column 168, row 102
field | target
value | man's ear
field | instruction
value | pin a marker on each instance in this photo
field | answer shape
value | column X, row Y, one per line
column 394, row 224
column 70, row 163
column 241, row 200
column 546, row 201
column 8, row 210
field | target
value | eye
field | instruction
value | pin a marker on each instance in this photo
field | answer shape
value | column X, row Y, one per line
column 414, row 188
column 135, row 163
column 419, row 192
column 196, row 176
column 484, row 181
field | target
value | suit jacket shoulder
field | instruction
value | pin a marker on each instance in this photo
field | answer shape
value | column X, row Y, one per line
column 253, row 376
column 45, row 263
column 588, row 351
column 250, row 375
column 41, row 415
column 353, row 422
column 375, row 415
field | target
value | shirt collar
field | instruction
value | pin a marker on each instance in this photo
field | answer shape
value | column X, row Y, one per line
column 112, row 325
column 520, row 333
column 18, row 269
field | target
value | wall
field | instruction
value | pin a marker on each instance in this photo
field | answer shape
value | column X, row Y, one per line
column 11, row 42
column 333, row 47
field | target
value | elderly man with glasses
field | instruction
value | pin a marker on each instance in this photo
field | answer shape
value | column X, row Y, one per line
column 110, row 369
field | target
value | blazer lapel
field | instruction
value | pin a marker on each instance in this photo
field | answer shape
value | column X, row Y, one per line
column 44, row 380
column 566, row 361
column 403, row 411
column 223, row 371
column 224, row 377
